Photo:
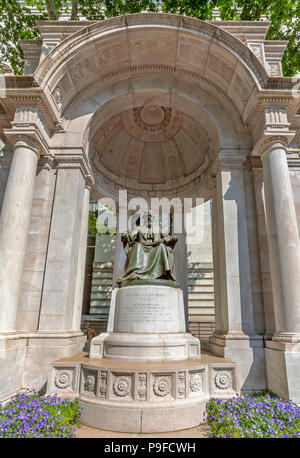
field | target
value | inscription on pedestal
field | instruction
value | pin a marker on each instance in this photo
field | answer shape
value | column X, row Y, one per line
column 148, row 309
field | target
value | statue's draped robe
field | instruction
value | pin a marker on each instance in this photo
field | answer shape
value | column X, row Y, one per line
column 148, row 262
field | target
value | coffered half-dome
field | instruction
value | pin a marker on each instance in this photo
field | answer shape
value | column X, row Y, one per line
column 157, row 150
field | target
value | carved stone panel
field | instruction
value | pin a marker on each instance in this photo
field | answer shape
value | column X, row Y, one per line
column 223, row 381
column 63, row 380
column 122, row 386
column 197, row 383
column 89, row 379
column 102, row 384
column 181, row 384
column 163, row 386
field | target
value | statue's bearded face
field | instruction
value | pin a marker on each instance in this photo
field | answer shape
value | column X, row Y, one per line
column 148, row 219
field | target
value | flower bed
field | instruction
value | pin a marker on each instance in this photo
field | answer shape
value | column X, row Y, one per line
column 32, row 415
column 258, row 415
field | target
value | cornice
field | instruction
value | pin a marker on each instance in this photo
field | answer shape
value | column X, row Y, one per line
column 154, row 69
column 155, row 19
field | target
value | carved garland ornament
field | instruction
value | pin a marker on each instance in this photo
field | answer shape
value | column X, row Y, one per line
column 223, row 380
column 196, row 382
column 89, row 383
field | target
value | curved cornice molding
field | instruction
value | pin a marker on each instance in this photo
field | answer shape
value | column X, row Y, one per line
column 70, row 44
column 154, row 69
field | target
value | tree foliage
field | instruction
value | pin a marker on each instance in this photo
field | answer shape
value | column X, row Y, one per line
column 18, row 22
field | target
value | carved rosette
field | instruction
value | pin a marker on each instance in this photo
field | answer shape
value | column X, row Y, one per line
column 63, row 379
column 121, row 386
column 181, row 384
column 103, row 384
column 162, row 386
column 142, row 387
column 196, row 382
column 223, row 380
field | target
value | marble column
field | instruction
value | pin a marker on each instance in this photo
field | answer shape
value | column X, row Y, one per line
column 284, row 243
column 181, row 269
column 235, row 336
column 81, row 260
column 219, row 320
column 60, row 276
column 233, row 251
column 14, row 226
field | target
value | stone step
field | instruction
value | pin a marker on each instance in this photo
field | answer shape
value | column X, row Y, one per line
column 100, row 307
column 201, row 281
column 196, row 275
column 201, row 288
column 201, row 311
column 101, row 312
column 102, row 281
column 101, row 289
column 99, row 303
column 102, row 296
column 97, row 274
column 209, row 320
column 201, row 296
column 193, row 305
column 93, row 321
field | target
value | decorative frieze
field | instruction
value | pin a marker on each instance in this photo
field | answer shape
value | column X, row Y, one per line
column 136, row 386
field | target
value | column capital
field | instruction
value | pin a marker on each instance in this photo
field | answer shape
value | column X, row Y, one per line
column 30, row 139
column 28, row 127
column 272, row 130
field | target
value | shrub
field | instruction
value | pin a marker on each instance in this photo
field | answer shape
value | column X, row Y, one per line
column 258, row 415
column 30, row 414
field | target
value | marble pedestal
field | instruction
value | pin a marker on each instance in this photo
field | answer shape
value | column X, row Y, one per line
column 146, row 323
column 145, row 374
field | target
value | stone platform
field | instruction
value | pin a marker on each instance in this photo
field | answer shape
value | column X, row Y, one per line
column 143, row 397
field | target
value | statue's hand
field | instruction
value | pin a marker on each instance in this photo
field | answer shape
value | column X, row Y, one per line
column 169, row 240
column 124, row 237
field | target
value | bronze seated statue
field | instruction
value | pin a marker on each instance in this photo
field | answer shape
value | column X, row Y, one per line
column 149, row 254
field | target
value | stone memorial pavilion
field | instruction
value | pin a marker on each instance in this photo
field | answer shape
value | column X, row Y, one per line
column 162, row 106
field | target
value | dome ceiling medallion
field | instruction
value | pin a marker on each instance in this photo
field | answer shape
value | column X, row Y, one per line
column 152, row 117
column 151, row 147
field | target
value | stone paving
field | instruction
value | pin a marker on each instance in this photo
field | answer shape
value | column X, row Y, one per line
column 201, row 431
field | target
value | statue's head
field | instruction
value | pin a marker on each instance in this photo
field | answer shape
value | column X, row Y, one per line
column 148, row 219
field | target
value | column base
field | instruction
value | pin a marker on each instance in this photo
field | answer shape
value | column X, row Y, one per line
column 289, row 337
column 283, row 369
column 25, row 357
column 247, row 352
